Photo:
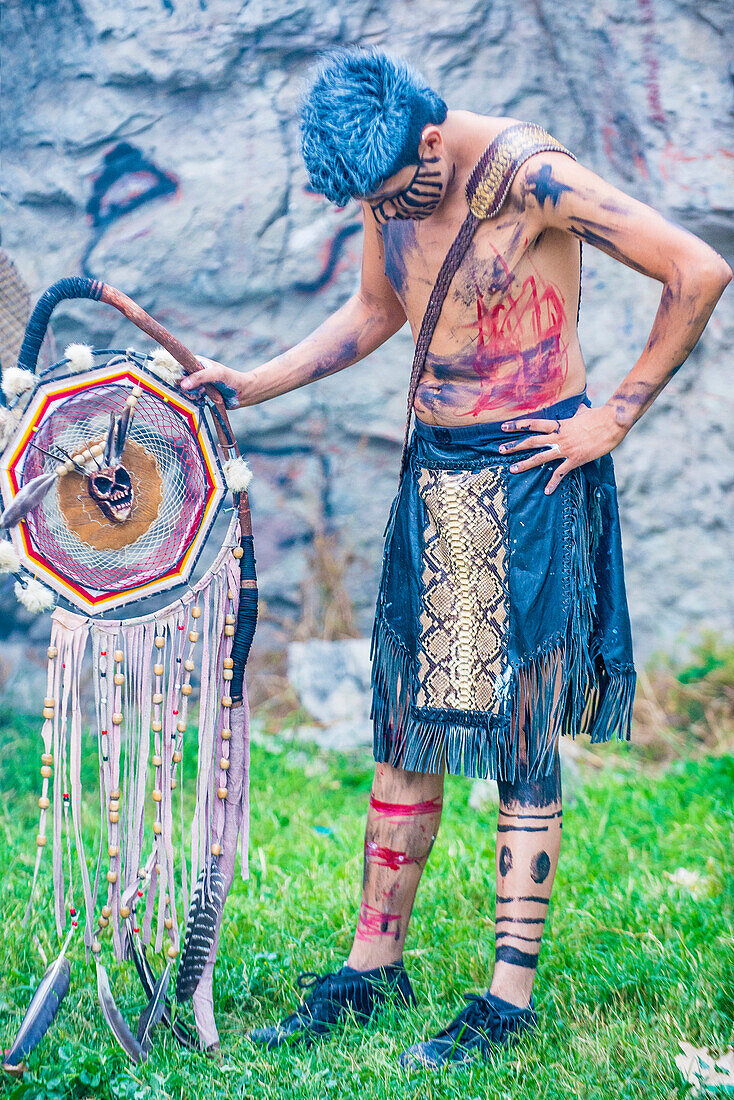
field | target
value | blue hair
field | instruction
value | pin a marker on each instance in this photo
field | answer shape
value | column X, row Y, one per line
column 361, row 121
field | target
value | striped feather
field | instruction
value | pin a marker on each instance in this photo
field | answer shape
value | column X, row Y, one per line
column 154, row 1010
column 201, row 929
column 115, row 1019
column 148, row 980
column 29, row 497
column 43, row 1007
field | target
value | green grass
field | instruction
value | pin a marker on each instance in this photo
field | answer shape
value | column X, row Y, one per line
column 630, row 963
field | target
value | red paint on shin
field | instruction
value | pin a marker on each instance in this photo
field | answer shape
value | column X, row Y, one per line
column 382, row 856
column 406, row 809
column 374, row 922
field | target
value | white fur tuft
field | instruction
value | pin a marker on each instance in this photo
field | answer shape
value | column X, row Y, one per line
column 237, row 474
column 17, row 381
column 80, row 357
column 34, row 596
column 166, row 367
column 9, row 561
column 8, row 424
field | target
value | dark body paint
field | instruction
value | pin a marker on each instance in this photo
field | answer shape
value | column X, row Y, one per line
column 540, row 183
column 540, row 866
column 505, row 860
column 534, row 793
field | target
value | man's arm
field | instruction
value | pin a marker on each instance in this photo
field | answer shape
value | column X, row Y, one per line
column 370, row 317
column 562, row 194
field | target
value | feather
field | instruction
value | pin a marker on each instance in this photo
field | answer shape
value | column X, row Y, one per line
column 237, row 474
column 110, row 441
column 154, row 1010
column 8, row 424
column 122, row 427
column 16, row 381
column 183, row 1034
column 201, row 928
column 115, row 1019
column 34, row 596
column 9, row 560
column 29, row 497
column 44, row 1005
column 80, row 356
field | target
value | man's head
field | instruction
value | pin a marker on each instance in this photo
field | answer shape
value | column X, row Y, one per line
column 370, row 128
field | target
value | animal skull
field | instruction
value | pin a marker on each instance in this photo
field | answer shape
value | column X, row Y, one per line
column 111, row 490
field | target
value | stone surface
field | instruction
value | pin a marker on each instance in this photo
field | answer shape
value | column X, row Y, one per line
column 332, row 681
column 194, row 102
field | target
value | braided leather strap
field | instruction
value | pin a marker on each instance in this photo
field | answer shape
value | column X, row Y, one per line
column 486, row 191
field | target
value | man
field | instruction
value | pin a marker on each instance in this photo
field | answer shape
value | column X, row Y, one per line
column 501, row 619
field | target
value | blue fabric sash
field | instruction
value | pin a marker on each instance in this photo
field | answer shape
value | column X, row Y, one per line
column 501, row 618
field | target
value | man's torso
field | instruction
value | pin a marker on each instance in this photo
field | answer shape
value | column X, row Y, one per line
column 506, row 341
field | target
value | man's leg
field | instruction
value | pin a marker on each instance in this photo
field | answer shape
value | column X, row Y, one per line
column 528, row 844
column 402, row 823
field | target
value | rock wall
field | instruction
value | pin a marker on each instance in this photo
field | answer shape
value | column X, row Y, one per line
column 154, row 144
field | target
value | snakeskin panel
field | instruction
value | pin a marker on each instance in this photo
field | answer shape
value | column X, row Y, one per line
column 510, row 149
column 463, row 618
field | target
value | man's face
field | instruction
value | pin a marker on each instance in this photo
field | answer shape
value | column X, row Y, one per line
column 412, row 193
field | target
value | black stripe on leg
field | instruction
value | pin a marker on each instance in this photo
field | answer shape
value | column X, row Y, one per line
column 513, row 955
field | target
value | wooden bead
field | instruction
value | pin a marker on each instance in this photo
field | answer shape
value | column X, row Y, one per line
column 226, row 700
column 113, row 851
column 237, row 552
column 112, row 876
column 119, row 656
column 117, row 718
column 193, row 635
column 228, row 662
column 186, row 689
column 221, row 793
column 131, row 401
column 119, row 679
column 49, row 701
column 172, row 952
column 46, row 772
column 181, row 727
column 114, row 817
column 157, row 828
column 43, row 802
column 114, row 803
column 160, row 641
column 117, row 793
column 226, row 734
column 52, row 652
column 47, row 758
column 224, row 764
column 216, row 849
column 41, row 841
column 157, row 795
column 173, row 784
column 229, row 620
column 195, row 612
column 156, row 726
column 158, row 670
column 157, row 761
column 229, row 632
column 137, row 391
column 158, row 697
column 48, row 712
column 168, row 923
column 177, row 757
column 189, row 665
column 106, row 911
column 124, row 911
column 103, row 922
column 227, row 674
column 96, row 947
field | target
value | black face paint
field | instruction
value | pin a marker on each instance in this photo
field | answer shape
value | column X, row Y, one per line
column 416, row 201
column 505, row 860
column 540, row 866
